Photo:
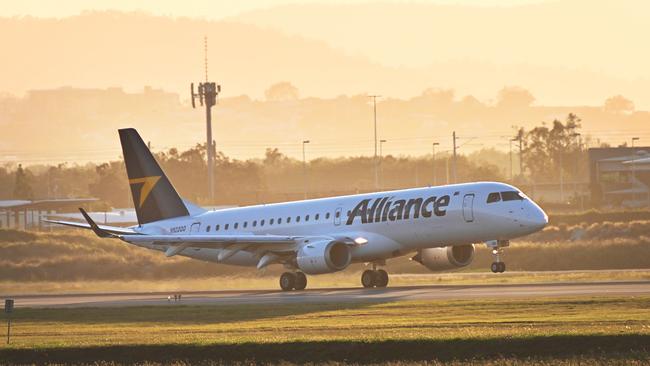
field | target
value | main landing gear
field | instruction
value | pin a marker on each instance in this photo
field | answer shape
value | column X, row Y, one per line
column 293, row 281
column 374, row 277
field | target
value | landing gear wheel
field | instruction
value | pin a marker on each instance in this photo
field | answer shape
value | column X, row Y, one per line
column 368, row 278
column 301, row 281
column 502, row 267
column 381, row 278
column 495, row 267
column 288, row 281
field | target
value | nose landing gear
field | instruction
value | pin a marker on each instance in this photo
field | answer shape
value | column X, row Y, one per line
column 497, row 250
column 497, row 266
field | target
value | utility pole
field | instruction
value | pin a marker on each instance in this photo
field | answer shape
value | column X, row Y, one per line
column 374, row 104
column 433, row 152
column 381, row 164
column 511, row 140
column 455, row 161
column 634, row 170
column 304, row 169
column 561, row 175
column 207, row 95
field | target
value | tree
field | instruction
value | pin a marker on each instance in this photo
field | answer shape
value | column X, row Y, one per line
column 618, row 104
column 281, row 92
column 22, row 185
column 111, row 185
column 549, row 150
column 514, row 97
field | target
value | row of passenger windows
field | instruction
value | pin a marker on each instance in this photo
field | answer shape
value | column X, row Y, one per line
column 272, row 221
column 505, row 196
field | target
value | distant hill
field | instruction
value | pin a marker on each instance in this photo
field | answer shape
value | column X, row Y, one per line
column 564, row 55
column 104, row 49
column 566, row 52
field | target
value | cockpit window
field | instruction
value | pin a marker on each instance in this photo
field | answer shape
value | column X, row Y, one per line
column 493, row 197
column 512, row 196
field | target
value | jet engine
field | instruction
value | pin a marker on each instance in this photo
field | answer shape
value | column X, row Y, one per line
column 323, row 257
column 440, row 259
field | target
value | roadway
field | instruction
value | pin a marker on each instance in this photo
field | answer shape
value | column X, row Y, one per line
column 340, row 295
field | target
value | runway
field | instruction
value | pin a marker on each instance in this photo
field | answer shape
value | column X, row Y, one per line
column 340, row 295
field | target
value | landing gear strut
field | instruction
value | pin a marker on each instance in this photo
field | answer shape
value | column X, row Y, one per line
column 497, row 266
column 374, row 277
column 293, row 281
column 497, row 250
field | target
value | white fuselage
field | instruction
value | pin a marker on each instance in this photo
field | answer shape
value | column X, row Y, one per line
column 394, row 223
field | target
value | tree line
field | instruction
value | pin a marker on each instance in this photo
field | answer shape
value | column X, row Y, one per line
column 548, row 152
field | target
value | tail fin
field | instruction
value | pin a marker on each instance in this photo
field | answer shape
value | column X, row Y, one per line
column 154, row 196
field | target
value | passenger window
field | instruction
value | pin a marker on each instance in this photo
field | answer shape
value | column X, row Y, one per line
column 493, row 197
column 327, row 215
column 226, row 227
column 511, row 196
column 307, row 218
column 262, row 222
column 207, row 229
column 316, row 217
column 271, row 222
column 236, row 225
column 216, row 228
column 279, row 221
column 297, row 218
column 245, row 224
column 338, row 214
column 254, row 223
column 288, row 220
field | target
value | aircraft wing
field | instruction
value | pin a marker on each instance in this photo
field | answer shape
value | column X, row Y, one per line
column 82, row 225
column 210, row 241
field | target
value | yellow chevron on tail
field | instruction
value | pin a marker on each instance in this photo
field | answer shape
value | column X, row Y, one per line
column 147, row 185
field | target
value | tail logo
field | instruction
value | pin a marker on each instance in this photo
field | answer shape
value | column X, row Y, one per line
column 147, row 185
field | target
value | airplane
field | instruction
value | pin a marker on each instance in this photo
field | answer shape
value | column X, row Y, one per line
column 439, row 224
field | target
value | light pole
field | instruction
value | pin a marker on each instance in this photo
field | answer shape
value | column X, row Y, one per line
column 575, row 170
column 433, row 158
column 511, row 141
column 455, row 161
column 374, row 107
column 381, row 163
column 634, row 170
column 304, row 169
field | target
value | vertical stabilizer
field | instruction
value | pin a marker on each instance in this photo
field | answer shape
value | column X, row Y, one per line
column 154, row 196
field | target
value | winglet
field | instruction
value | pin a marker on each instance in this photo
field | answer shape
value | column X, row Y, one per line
column 99, row 232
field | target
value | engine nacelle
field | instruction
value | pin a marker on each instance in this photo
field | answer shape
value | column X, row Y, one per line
column 440, row 259
column 323, row 257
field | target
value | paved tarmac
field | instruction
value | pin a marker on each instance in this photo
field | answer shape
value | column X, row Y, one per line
column 341, row 295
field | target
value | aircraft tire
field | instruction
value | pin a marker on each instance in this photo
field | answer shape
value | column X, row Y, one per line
column 495, row 267
column 502, row 267
column 381, row 278
column 301, row 281
column 368, row 278
column 287, row 281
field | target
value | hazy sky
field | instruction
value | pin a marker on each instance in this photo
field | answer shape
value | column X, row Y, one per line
column 194, row 8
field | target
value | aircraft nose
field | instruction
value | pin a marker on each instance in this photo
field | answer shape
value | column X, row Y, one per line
column 536, row 218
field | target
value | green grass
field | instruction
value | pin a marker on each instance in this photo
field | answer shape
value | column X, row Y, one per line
column 544, row 330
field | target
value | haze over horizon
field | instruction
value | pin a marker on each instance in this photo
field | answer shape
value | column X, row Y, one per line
column 568, row 54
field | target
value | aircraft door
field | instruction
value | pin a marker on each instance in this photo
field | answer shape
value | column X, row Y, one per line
column 194, row 229
column 337, row 216
column 468, row 207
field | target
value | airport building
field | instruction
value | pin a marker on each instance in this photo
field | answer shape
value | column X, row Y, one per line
column 620, row 177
